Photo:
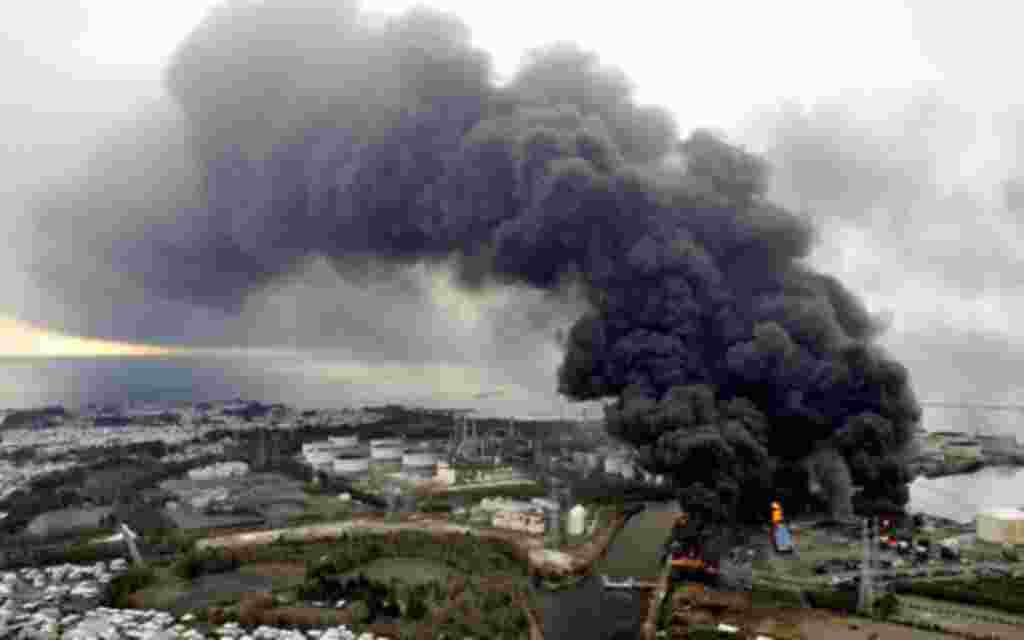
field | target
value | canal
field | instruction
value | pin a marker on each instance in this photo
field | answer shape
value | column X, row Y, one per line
column 587, row 609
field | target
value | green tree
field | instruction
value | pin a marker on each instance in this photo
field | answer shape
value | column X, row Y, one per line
column 887, row 606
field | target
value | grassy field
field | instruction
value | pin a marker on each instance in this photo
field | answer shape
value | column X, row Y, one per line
column 408, row 570
column 177, row 595
column 323, row 508
column 814, row 546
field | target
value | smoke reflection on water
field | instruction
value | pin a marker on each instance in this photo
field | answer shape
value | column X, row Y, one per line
column 589, row 611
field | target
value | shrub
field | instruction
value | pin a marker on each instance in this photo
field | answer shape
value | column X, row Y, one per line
column 216, row 616
column 359, row 611
column 252, row 606
column 118, row 589
column 1006, row 594
column 887, row 606
column 436, row 506
column 416, row 606
column 197, row 563
column 763, row 596
column 843, row 601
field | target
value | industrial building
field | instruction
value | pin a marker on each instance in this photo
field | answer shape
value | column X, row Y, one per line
column 420, row 462
column 1001, row 526
column 962, row 450
column 342, row 455
column 351, row 465
column 532, row 522
column 219, row 471
column 344, row 442
column 386, row 454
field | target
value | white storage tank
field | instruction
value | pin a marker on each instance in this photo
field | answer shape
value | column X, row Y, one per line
column 351, row 466
column 344, row 442
column 387, row 452
column 577, row 520
column 386, row 442
column 419, row 459
column 627, row 470
column 326, row 466
column 319, row 457
column 1001, row 526
column 613, row 464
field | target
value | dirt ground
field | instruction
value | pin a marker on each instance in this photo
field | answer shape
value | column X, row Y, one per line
column 699, row 607
column 795, row 624
column 821, row 626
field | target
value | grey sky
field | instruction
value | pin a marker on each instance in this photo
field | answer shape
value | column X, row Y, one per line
column 896, row 126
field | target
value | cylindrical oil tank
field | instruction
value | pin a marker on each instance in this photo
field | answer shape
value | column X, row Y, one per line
column 419, row 459
column 627, row 470
column 351, row 466
column 577, row 520
column 613, row 464
column 386, row 442
column 387, row 452
column 319, row 457
column 344, row 442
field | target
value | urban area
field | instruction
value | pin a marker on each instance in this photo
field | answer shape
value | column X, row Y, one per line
column 244, row 520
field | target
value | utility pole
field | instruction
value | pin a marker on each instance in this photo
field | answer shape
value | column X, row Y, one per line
column 867, row 592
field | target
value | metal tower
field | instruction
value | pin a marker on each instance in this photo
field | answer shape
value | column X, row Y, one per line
column 866, row 595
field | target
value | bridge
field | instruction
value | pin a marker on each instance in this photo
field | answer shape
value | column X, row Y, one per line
column 629, row 583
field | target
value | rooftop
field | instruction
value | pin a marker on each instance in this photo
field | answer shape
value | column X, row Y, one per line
column 1004, row 512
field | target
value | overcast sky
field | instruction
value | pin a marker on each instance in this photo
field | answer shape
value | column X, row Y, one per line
column 896, row 125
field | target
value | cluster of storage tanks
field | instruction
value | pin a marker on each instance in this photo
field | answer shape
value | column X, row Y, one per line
column 347, row 456
column 219, row 471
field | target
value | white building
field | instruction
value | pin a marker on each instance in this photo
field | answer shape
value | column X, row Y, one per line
column 529, row 521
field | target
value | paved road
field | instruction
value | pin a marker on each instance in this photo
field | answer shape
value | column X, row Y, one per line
column 914, row 572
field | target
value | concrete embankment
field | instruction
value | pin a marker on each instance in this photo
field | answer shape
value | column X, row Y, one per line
column 649, row 629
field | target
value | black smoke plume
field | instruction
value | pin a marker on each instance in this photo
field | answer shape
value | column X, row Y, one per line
column 312, row 130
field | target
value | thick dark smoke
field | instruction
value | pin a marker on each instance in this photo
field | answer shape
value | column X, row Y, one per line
column 311, row 132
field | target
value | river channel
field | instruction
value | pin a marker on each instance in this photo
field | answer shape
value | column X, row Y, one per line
column 587, row 609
